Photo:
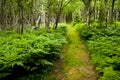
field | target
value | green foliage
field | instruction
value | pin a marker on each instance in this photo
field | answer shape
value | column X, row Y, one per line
column 29, row 52
column 77, row 19
column 110, row 74
column 117, row 23
column 103, row 44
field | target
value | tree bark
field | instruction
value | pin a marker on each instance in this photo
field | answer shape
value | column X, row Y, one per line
column 22, row 20
column 47, row 15
column 60, row 8
column 112, row 12
column 94, row 9
column 20, row 9
column 57, row 19
column 106, row 13
column 88, row 13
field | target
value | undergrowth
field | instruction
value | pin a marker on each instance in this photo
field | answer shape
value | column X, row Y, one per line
column 29, row 53
column 104, row 47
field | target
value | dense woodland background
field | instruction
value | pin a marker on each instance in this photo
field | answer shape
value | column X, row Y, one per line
column 21, row 14
column 31, row 38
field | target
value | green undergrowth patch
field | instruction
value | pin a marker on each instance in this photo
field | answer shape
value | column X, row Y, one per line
column 71, row 56
column 104, row 47
column 73, row 48
column 30, row 53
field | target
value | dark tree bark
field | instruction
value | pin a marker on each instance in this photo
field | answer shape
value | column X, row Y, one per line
column 58, row 15
column 101, row 14
column 47, row 15
column 119, row 11
column 94, row 10
column 106, row 13
column 20, row 9
column 3, row 14
column 87, row 5
column 22, row 20
column 19, row 15
column 112, row 12
column 88, row 14
column 61, row 6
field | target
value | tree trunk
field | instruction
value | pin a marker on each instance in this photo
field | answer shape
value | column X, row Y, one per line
column 112, row 12
column 20, row 9
column 58, row 14
column 57, row 19
column 88, row 17
column 106, row 13
column 19, row 16
column 88, row 13
column 22, row 20
column 47, row 15
column 94, row 9
column 3, row 17
column 101, row 14
column 32, row 21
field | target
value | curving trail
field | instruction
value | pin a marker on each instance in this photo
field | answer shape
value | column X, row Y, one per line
column 74, row 63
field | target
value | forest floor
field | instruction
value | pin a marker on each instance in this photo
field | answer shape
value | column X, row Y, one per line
column 74, row 63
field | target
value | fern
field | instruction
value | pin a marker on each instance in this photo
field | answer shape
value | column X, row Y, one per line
column 104, row 47
column 30, row 51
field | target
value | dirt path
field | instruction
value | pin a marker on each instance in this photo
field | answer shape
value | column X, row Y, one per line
column 74, row 63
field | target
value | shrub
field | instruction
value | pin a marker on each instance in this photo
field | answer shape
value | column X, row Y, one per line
column 104, row 48
column 32, row 51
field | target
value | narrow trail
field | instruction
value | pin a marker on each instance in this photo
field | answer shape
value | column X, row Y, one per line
column 74, row 63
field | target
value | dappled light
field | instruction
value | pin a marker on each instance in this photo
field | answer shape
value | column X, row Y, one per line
column 59, row 39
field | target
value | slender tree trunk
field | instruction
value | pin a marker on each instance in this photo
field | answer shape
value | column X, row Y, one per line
column 88, row 13
column 119, row 11
column 22, row 20
column 47, row 15
column 101, row 14
column 106, row 13
column 115, row 17
column 10, row 14
column 18, row 29
column 20, row 10
column 32, row 21
column 112, row 12
column 57, row 19
column 94, row 9
column 88, row 16
column 58, row 14
column 19, row 16
column 3, row 17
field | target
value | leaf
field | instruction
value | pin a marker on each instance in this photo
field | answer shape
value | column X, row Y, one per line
column 34, row 68
column 16, row 63
column 45, row 62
